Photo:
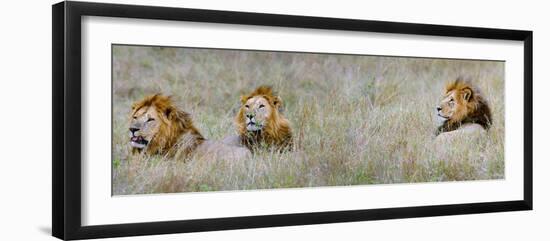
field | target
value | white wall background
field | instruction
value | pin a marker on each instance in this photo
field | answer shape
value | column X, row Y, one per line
column 25, row 137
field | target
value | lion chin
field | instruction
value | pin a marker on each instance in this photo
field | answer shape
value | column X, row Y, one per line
column 158, row 127
column 441, row 120
column 462, row 110
column 137, row 145
column 260, row 123
column 253, row 127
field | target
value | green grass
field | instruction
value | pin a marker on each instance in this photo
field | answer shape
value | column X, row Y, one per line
column 356, row 119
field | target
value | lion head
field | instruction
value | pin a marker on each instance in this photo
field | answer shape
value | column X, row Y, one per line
column 156, row 125
column 462, row 104
column 259, row 121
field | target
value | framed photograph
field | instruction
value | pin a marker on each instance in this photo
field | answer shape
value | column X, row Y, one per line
column 171, row 120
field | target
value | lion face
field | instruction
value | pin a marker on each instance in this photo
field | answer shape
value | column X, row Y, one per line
column 156, row 125
column 257, row 111
column 145, row 123
column 259, row 120
column 453, row 106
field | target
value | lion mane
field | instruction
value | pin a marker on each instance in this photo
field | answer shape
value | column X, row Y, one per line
column 276, row 133
column 470, row 107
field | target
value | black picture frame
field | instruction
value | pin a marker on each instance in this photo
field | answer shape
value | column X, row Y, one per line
column 66, row 75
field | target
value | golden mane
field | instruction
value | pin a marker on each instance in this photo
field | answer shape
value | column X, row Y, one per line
column 471, row 108
column 174, row 123
column 276, row 133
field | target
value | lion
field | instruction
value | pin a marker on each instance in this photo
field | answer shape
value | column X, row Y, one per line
column 158, row 127
column 462, row 110
column 260, row 123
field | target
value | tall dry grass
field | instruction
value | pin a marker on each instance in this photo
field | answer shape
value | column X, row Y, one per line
column 356, row 119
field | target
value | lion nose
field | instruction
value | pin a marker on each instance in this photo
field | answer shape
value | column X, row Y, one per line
column 438, row 108
column 133, row 129
column 249, row 115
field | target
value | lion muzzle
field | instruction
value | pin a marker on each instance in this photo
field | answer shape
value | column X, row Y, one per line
column 251, row 123
column 137, row 141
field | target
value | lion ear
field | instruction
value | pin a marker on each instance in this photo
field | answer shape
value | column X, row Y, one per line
column 278, row 103
column 169, row 112
column 467, row 94
column 244, row 98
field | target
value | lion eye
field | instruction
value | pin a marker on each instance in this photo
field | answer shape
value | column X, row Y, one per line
column 150, row 119
column 134, row 117
column 246, row 106
column 262, row 106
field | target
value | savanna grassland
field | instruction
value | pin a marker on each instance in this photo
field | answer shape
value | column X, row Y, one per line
column 356, row 119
